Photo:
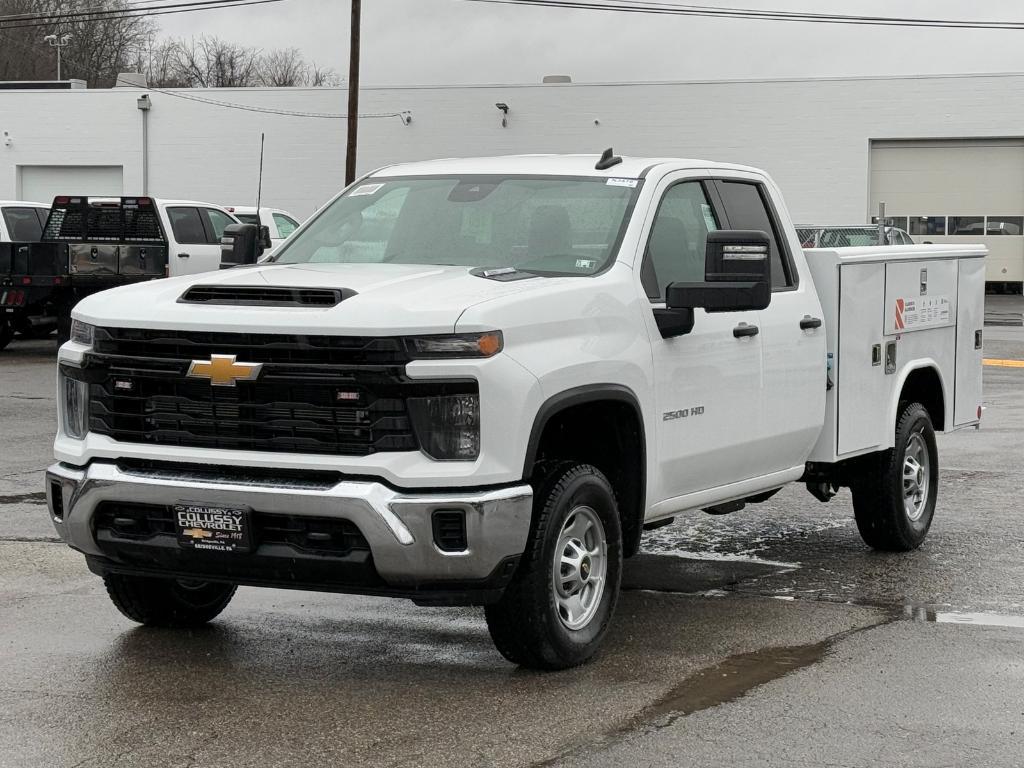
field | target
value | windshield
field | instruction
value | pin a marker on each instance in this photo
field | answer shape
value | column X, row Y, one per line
column 549, row 225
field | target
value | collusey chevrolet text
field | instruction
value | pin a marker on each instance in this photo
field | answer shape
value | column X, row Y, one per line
column 477, row 382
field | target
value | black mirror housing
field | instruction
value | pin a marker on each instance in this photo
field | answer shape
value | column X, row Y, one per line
column 265, row 237
column 241, row 244
column 737, row 275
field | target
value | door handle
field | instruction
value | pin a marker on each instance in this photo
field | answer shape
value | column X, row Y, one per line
column 809, row 323
column 742, row 330
column 183, row 255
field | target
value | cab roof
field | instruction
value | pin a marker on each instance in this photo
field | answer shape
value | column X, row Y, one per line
column 550, row 165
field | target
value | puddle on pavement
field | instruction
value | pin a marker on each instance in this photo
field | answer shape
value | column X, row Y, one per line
column 37, row 497
column 978, row 619
column 728, row 681
column 692, row 575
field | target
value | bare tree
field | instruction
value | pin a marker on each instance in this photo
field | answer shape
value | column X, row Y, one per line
column 209, row 62
column 322, row 77
column 99, row 46
column 284, row 67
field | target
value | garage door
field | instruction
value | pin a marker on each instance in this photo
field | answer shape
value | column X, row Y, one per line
column 42, row 183
column 969, row 191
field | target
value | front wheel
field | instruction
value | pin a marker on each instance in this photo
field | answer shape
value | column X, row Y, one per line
column 6, row 333
column 168, row 602
column 557, row 609
column 894, row 495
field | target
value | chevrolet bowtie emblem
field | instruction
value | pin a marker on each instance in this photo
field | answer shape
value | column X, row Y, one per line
column 197, row 533
column 224, row 370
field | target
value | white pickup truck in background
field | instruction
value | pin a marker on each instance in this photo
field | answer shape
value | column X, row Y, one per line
column 280, row 224
column 477, row 381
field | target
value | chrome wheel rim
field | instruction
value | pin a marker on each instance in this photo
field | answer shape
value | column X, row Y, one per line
column 916, row 471
column 580, row 568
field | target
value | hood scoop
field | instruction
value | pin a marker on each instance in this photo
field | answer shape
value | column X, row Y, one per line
column 265, row 296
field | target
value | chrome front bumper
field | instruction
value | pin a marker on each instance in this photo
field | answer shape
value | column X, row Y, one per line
column 396, row 524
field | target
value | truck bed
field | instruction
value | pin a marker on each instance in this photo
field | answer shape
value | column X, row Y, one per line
column 890, row 311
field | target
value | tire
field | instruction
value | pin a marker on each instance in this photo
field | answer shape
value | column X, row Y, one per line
column 167, row 602
column 555, row 612
column 6, row 333
column 894, row 513
column 64, row 328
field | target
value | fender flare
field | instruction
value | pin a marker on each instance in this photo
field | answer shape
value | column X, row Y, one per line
column 590, row 393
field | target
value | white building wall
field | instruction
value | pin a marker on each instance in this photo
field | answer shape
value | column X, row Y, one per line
column 812, row 135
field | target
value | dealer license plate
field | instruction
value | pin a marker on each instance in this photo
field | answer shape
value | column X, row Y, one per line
column 213, row 528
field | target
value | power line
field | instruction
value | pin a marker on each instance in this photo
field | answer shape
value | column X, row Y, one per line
column 96, row 8
column 677, row 9
column 132, row 13
column 404, row 116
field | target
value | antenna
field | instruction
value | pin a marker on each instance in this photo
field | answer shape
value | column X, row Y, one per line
column 608, row 160
column 259, row 184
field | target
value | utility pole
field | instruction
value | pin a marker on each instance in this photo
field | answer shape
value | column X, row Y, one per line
column 58, row 44
column 353, row 94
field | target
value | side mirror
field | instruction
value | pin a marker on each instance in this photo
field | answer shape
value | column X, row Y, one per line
column 265, row 237
column 241, row 244
column 737, row 275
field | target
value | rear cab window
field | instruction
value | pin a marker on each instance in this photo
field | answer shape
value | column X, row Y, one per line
column 24, row 224
column 187, row 226
column 747, row 205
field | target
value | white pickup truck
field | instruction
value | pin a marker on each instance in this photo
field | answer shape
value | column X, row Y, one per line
column 477, row 381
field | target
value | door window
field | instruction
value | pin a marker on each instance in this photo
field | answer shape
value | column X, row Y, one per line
column 747, row 208
column 23, row 224
column 285, row 225
column 187, row 226
column 678, row 240
column 217, row 220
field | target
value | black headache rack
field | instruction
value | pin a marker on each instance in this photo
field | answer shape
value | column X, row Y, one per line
column 102, row 241
column 88, row 244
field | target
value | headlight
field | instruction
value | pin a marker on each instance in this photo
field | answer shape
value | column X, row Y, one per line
column 82, row 333
column 75, row 401
column 447, row 426
column 455, row 345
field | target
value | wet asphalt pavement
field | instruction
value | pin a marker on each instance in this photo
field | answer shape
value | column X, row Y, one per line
column 771, row 636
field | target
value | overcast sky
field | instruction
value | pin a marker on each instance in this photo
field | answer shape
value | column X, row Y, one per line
column 428, row 42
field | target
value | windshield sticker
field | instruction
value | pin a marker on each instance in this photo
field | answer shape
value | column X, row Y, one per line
column 365, row 189
column 709, row 217
column 622, row 182
column 585, row 263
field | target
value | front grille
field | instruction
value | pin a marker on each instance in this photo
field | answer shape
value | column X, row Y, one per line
column 324, row 535
column 243, row 295
column 267, row 415
column 250, row 347
column 304, row 401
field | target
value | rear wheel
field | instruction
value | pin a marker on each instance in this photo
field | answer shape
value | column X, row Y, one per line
column 557, row 609
column 168, row 602
column 895, row 493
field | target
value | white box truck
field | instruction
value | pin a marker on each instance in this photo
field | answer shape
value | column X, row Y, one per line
column 477, row 381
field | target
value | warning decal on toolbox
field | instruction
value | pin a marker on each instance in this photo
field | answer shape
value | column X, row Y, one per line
column 923, row 312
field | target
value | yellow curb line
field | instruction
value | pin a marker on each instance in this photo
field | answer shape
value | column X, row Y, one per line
column 1005, row 363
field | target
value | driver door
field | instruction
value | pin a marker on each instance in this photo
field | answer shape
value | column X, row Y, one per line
column 708, row 383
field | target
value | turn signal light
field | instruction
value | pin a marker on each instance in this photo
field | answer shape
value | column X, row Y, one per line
column 485, row 344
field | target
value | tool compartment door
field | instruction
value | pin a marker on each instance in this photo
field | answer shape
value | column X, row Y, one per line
column 862, row 386
column 920, row 295
column 970, row 321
